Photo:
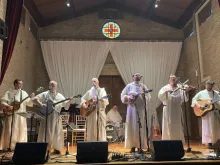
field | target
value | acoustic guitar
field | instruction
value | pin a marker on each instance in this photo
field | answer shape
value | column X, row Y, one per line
column 16, row 105
column 206, row 106
column 89, row 106
column 155, row 130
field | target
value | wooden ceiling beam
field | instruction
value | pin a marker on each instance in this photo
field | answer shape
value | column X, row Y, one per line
column 150, row 9
column 149, row 14
column 30, row 5
column 188, row 13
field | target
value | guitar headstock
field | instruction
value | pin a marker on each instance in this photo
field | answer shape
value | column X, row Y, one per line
column 77, row 96
column 40, row 89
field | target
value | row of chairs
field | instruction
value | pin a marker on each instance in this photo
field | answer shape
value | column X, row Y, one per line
column 79, row 129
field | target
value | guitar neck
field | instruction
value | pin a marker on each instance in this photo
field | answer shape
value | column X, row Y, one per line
column 213, row 102
column 24, row 99
column 60, row 101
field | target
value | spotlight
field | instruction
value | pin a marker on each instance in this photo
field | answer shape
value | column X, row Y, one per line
column 156, row 5
column 68, row 3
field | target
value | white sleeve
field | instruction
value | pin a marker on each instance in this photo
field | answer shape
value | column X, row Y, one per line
column 123, row 94
column 195, row 99
column 163, row 95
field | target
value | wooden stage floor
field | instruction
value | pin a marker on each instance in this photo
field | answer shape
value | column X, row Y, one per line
column 200, row 154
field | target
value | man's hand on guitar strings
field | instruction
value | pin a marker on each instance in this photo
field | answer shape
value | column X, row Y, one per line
column 43, row 105
column 9, row 107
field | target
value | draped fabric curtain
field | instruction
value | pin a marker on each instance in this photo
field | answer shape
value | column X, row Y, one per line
column 12, row 20
column 155, row 61
column 73, row 64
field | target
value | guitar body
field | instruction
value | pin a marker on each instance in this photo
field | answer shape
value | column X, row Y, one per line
column 47, row 110
column 155, row 130
column 156, row 134
column 199, row 112
column 16, row 106
column 87, row 108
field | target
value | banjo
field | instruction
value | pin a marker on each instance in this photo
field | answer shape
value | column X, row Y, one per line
column 51, row 105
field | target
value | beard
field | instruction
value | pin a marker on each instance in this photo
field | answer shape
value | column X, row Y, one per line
column 137, row 79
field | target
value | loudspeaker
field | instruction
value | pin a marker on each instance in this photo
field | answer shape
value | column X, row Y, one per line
column 167, row 150
column 3, row 30
column 30, row 153
column 92, row 152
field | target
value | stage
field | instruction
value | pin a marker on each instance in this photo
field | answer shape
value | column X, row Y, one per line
column 200, row 154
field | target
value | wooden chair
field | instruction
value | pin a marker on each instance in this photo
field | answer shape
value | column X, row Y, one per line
column 65, row 119
column 79, row 133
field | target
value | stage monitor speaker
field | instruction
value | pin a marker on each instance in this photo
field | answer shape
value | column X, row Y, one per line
column 3, row 30
column 30, row 153
column 92, row 152
column 167, row 150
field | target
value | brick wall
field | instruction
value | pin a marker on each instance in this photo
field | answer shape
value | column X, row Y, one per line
column 210, row 50
column 23, row 62
column 2, row 16
column 89, row 27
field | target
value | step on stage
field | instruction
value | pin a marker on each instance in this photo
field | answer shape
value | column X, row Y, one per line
column 200, row 154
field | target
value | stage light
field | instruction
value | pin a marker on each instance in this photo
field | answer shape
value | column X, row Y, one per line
column 156, row 5
column 68, row 3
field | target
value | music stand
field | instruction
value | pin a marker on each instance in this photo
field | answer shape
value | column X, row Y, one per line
column 30, row 115
column 67, row 147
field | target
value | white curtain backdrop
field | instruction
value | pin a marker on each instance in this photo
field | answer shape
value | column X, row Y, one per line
column 155, row 61
column 73, row 64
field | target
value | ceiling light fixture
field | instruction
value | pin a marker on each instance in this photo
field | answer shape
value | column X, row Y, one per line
column 156, row 3
column 68, row 3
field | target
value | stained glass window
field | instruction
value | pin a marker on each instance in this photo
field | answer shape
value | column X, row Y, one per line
column 111, row 30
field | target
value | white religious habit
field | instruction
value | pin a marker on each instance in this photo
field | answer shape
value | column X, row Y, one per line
column 91, row 120
column 115, row 117
column 55, row 137
column 19, row 128
column 172, row 127
column 131, row 125
column 210, row 122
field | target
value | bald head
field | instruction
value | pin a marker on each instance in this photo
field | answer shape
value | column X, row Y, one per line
column 95, row 82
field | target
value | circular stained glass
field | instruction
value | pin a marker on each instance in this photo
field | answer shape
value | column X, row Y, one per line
column 111, row 30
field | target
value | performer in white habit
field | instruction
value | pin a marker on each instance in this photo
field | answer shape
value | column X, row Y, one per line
column 210, row 122
column 19, row 128
column 113, row 116
column 132, row 126
column 54, row 135
column 91, row 121
column 172, row 127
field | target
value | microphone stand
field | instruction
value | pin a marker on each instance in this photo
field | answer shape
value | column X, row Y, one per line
column 187, row 131
column 45, row 137
column 97, row 111
column 12, row 122
column 145, row 111
column 67, row 143
column 140, row 126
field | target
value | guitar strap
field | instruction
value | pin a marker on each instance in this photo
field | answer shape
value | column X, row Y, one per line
column 20, row 95
column 213, row 94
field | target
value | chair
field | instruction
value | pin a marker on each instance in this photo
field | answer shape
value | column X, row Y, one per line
column 79, row 133
column 65, row 119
